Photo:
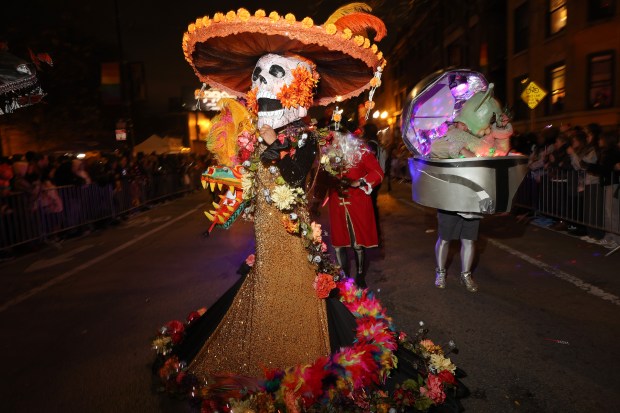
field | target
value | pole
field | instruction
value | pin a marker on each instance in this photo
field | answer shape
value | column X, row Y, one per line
column 126, row 88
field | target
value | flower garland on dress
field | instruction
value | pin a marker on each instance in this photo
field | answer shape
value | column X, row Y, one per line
column 347, row 380
column 292, row 202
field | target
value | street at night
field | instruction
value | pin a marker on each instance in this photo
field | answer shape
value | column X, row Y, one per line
column 539, row 336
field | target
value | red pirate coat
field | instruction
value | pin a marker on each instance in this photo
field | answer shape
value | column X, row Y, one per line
column 356, row 205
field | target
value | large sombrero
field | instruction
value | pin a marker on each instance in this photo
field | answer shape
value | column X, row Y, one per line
column 224, row 49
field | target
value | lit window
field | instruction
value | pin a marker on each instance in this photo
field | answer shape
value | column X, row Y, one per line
column 556, row 79
column 557, row 16
column 600, row 69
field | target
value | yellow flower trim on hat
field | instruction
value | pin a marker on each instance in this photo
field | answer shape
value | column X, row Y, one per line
column 206, row 21
column 307, row 22
column 366, row 43
column 231, row 16
column 218, row 17
column 347, row 33
column 243, row 14
column 290, row 18
column 331, row 28
column 260, row 13
column 198, row 23
column 274, row 16
column 359, row 40
column 374, row 48
column 380, row 55
column 301, row 90
column 191, row 27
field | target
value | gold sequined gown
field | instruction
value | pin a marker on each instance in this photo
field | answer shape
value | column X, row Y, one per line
column 275, row 320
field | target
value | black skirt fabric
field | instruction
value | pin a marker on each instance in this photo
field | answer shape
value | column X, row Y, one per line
column 342, row 327
column 452, row 226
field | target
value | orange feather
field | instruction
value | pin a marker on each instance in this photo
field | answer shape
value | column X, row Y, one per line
column 359, row 23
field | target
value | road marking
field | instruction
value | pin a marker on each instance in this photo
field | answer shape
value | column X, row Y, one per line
column 41, row 264
column 587, row 287
column 143, row 221
column 87, row 264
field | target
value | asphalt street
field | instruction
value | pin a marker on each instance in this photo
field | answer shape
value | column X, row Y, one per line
column 540, row 336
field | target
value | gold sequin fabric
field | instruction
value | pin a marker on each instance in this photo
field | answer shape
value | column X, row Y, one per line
column 276, row 320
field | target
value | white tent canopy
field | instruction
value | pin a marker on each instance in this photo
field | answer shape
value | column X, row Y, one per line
column 154, row 143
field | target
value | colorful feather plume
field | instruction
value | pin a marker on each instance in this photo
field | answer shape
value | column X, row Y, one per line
column 357, row 18
column 347, row 9
column 360, row 23
column 233, row 119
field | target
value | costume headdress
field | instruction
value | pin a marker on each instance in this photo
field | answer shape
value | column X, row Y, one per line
column 223, row 49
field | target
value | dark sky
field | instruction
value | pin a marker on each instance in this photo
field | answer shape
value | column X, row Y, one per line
column 151, row 31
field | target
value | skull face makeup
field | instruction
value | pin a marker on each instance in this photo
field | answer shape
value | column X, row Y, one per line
column 272, row 75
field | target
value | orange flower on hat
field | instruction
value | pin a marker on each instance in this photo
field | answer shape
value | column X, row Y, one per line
column 301, row 90
column 359, row 40
column 375, row 82
column 231, row 16
column 218, row 17
column 369, row 104
column 260, row 13
column 252, row 102
column 206, row 21
column 274, row 16
column 290, row 18
column 331, row 28
column 347, row 33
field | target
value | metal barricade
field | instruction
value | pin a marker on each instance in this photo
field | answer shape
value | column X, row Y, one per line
column 569, row 196
column 26, row 217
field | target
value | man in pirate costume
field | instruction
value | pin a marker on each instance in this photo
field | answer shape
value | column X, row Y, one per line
column 292, row 334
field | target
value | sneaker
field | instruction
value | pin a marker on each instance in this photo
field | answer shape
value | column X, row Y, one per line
column 440, row 278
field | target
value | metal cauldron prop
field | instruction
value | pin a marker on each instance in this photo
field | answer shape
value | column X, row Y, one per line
column 484, row 185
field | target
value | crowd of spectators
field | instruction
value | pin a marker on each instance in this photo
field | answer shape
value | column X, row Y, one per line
column 47, row 193
column 575, row 176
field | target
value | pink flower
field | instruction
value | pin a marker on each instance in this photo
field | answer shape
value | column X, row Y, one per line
column 250, row 260
column 323, row 247
column 316, row 232
column 433, row 389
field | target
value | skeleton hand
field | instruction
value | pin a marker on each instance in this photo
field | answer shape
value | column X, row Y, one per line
column 267, row 133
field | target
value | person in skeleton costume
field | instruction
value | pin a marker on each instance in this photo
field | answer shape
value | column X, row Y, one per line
column 293, row 334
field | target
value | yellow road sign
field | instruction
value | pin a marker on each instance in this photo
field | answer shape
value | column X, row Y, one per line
column 533, row 94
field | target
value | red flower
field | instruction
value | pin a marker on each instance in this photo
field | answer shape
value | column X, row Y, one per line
column 175, row 327
column 176, row 338
column 323, row 284
column 194, row 315
column 446, row 377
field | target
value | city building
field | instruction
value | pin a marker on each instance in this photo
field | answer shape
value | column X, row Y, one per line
column 568, row 48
